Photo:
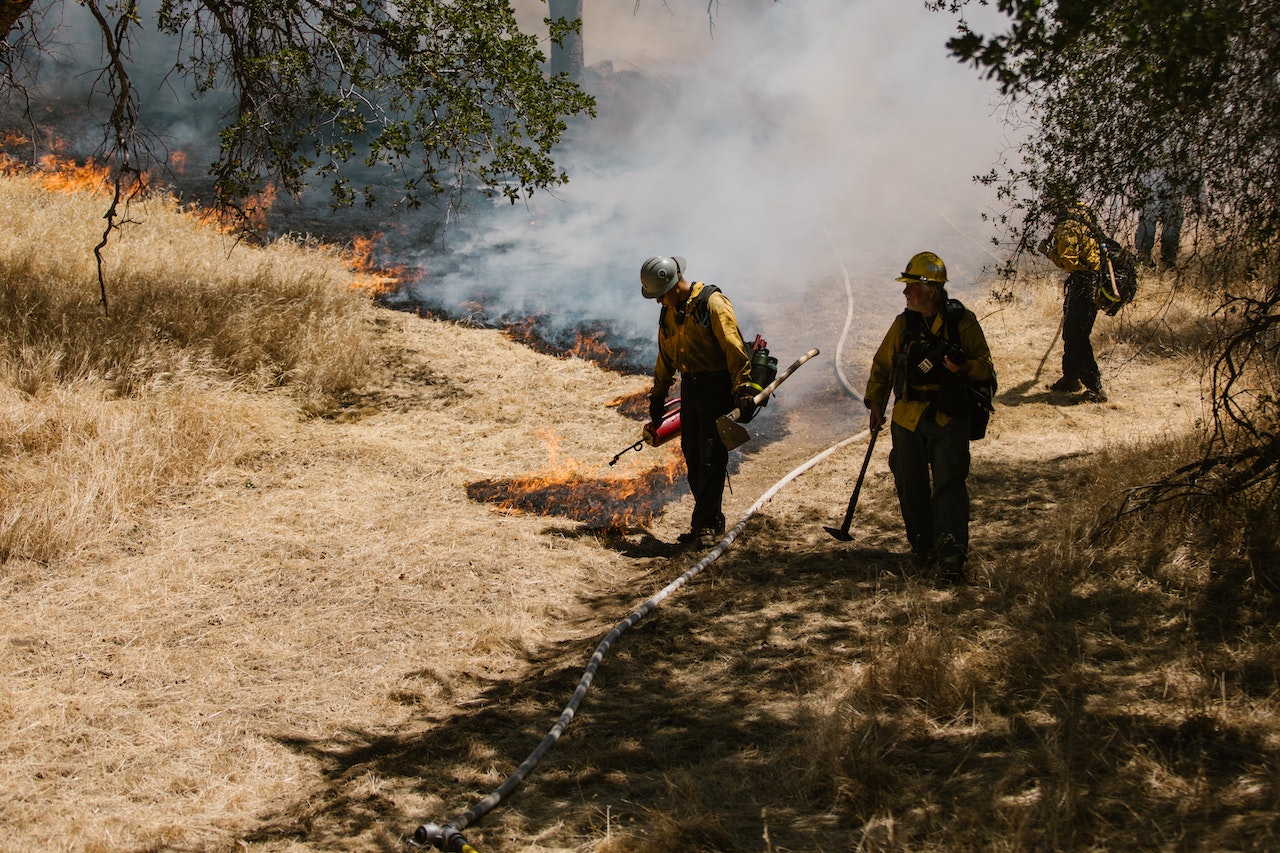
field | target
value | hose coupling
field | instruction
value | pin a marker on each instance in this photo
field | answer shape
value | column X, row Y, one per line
column 446, row 837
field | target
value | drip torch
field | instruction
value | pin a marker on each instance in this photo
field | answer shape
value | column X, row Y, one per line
column 666, row 430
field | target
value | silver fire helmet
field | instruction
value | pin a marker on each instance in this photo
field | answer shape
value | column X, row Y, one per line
column 658, row 275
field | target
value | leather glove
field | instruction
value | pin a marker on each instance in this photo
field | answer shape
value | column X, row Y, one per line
column 875, row 415
column 957, row 362
column 746, row 403
column 657, row 406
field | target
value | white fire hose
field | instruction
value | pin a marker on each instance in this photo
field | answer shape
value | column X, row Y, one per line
column 449, row 836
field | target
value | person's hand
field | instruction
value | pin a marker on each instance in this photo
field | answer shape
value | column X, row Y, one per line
column 957, row 362
column 657, row 406
column 746, row 402
column 876, row 416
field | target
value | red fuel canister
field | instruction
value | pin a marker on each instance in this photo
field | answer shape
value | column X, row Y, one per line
column 668, row 429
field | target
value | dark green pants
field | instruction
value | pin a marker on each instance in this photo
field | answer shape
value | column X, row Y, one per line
column 1078, row 315
column 704, row 397
column 930, row 470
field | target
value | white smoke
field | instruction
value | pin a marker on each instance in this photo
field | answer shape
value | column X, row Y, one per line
column 769, row 143
column 772, row 144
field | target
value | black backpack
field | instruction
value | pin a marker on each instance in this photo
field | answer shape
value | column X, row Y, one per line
column 977, row 395
column 1117, row 277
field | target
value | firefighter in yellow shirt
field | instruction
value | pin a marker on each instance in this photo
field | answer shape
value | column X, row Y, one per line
column 1073, row 247
column 699, row 339
column 925, row 357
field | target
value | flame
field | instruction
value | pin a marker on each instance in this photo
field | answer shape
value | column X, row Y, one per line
column 56, row 173
column 617, row 505
column 257, row 206
column 526, row 332
column 551, row 439
column 588, row 346
column 371, row 279
column 613, row 505
column 62, row 174
column 178, row 161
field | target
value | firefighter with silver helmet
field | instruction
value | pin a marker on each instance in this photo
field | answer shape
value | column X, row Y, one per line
column 925, row 358
column 699, row 339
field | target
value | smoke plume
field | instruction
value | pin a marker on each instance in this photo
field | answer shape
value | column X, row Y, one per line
column 773, row 145
column 781, row 147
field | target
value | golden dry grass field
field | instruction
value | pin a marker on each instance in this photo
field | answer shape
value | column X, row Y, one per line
column 246, row 602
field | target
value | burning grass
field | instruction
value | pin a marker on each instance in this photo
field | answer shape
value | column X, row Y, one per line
column 606, row 505
column 587, row 344
column 53, row 172
column 183, row 296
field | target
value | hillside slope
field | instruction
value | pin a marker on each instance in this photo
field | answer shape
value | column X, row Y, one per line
column 330, row 642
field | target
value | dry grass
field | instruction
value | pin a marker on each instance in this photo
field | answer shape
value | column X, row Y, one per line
column 182, row 297
column 231, row 625
column 108, row 412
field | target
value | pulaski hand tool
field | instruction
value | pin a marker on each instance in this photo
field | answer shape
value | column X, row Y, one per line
column 842, row 532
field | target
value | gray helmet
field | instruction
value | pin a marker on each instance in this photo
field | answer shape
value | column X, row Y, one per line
column 658, row 275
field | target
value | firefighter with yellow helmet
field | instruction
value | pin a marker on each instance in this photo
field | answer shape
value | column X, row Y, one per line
column 1073, row 247
column 924, row 359
column 699, row 339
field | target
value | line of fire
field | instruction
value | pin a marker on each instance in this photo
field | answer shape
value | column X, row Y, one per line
column 608, row 506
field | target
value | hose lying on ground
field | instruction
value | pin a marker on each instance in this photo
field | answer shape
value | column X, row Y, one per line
column 848, row 324
column 449, row 836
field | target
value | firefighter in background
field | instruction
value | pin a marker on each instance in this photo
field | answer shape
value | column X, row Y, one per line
column 926, row 367
column 1163, row 206
column 1072, row 245
column 698, row 338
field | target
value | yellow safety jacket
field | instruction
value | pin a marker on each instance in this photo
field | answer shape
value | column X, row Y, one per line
column 906, row 410
column 690, row 344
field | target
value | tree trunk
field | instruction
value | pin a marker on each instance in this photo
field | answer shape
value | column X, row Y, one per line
column 567, row 56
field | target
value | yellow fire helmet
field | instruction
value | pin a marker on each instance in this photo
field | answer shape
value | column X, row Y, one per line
column 926, row 267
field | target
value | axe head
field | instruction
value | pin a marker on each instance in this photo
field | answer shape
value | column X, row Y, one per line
column 732, row 433
column 842, row 535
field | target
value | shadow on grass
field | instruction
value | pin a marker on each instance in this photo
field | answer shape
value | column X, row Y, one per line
column 714, row 711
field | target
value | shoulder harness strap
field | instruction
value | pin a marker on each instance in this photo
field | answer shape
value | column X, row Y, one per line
column 699, row 309
column 952, row 311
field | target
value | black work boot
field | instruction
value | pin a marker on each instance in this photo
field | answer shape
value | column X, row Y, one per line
column 1094, row 395
column 951, row 570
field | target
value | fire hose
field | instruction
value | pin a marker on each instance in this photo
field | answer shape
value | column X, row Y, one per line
column 449, row 836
